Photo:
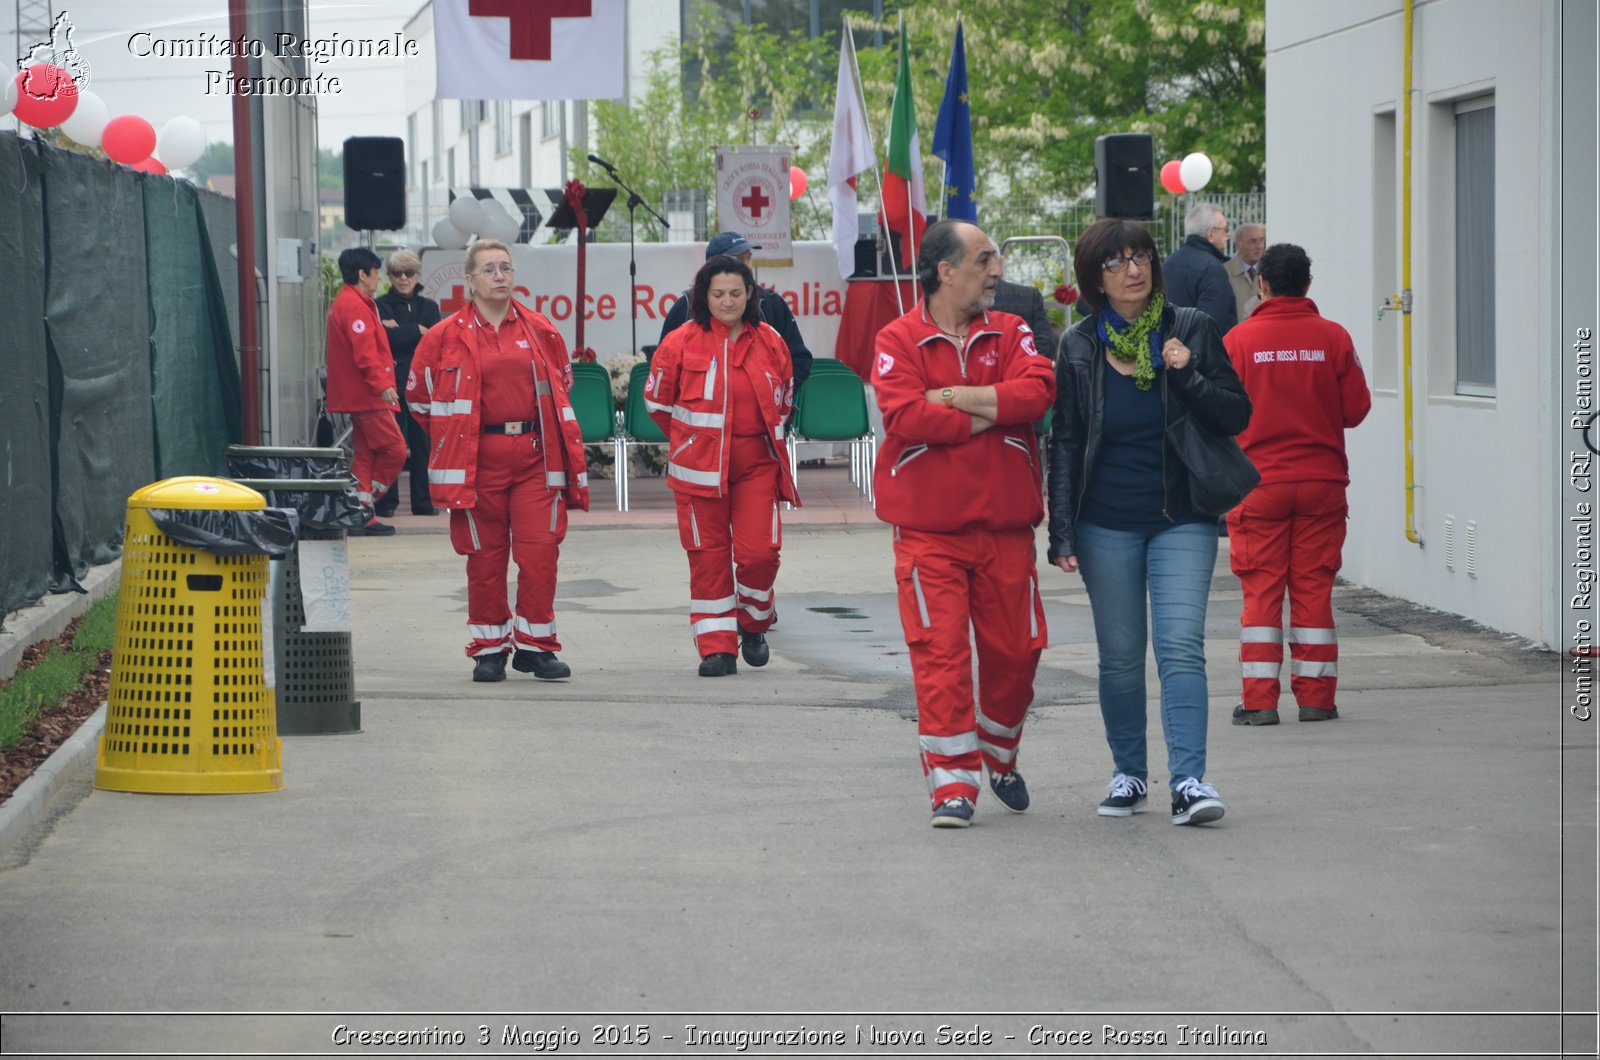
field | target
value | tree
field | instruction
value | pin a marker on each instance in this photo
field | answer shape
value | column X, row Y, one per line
column 215, row 160
column 1046, row 78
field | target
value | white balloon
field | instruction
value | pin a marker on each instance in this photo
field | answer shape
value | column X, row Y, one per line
column 88, row 119
column 181, row 142
column 493, row 210
column 503, row 227
column 466, row 213
column 10, row 98
column 1195, row 171
column 447, row 236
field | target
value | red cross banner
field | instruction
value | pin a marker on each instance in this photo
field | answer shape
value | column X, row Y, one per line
column 529, row 49
column 753, row 199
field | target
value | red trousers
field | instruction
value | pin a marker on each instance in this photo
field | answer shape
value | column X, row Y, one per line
column 380, row 453
column 1288, row 535
column 733, row 543
column 516, row 517
column 955, row 589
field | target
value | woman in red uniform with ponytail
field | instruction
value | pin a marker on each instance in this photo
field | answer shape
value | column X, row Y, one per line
column 721, row 388
column 489, row 385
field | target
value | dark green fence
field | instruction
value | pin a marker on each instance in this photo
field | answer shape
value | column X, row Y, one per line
column 119, row 359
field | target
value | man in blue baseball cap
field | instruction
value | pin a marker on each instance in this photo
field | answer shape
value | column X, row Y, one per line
column 774, row 310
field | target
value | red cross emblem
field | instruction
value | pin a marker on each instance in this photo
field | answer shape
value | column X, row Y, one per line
column 753, row 198
column 755, row 202
column 530, row 21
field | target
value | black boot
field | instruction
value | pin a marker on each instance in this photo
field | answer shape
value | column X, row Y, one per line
column 541, row 664
column 490, row 667
column 722, row 664
column 753, row 646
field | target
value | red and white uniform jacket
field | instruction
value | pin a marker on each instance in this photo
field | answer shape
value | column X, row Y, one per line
column 443, row 390
column 687, row 396
column 933, row 473
column 1306, row 385
column 360, row 366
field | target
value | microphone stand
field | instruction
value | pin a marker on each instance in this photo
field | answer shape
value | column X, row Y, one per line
column 634, row 201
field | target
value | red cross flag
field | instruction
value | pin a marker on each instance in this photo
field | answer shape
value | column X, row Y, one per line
column 529, row 49
column 753, row 200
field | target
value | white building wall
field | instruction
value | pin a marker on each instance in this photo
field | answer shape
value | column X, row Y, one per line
column 1334, row 80
column 534, row 161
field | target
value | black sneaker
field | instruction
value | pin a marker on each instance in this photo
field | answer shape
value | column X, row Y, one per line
column 1318, row 713
column 490, row 667
column 1269, row 716
column 541, row 664
column 753, row 646
column 1128, row 796
column 1195, row 803
column 720, row 664
column 953, row 813
column 1010, row 789
column 372, row 529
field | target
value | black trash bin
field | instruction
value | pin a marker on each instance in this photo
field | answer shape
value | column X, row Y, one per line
column 313, row 669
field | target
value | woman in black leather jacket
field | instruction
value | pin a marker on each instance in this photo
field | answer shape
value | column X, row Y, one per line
column 1120, row 510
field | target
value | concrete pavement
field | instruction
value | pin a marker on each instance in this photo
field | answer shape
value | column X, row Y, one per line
column 639, row 840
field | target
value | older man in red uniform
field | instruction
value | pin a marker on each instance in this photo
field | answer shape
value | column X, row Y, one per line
column 361, row 380
column 958, row 477
column 1307, row 388
column 489, row 385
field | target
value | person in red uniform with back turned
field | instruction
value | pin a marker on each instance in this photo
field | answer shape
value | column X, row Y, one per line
column 361, row 381
column 489, row 385
column 721, row 388
column 960, row 388
column 1306, row 383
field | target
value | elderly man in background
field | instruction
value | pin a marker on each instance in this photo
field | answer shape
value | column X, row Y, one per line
column 1249, row 241
column 1195, row 273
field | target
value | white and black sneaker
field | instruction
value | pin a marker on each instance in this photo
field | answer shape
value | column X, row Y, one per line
column 1195, row 803
column 1128, row 795
column 1010, row 789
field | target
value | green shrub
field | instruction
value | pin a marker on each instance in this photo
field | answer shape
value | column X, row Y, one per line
column 50, row 680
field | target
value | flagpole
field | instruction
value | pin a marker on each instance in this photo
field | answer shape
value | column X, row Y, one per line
column 894, row 265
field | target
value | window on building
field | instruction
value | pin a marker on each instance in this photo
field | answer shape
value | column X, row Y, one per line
column 450, row 170
column 473, row 112
column 803, row 18
column 549, row 119
column 1474, row 244
column 525, row 135
column 502, row 127
column 472, row 156
column 411, row 140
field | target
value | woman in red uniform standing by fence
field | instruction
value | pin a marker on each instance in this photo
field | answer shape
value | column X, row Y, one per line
column 489, row 385
column 721, row 388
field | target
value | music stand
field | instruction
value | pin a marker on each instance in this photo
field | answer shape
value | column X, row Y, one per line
column 595, row 203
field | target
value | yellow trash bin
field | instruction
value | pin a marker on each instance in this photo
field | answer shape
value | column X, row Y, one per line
column 189, row 711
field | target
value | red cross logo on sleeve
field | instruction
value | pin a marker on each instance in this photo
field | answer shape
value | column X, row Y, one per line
column 530, row 21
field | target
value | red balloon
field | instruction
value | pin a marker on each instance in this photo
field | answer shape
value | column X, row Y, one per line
column 46, row 96
column 797, row 182
column 128, row 139
column 150, row 165
column 1170, row 178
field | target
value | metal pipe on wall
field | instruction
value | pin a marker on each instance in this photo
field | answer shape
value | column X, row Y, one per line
column 245, row 221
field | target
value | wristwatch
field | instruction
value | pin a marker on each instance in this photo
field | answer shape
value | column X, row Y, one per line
column 948, row 396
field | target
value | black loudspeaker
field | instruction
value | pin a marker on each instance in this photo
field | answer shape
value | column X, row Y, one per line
column 375, row 183
column 1124, row 166
column 866, row 258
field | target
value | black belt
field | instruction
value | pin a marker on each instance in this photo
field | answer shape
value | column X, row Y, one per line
column 520, row 427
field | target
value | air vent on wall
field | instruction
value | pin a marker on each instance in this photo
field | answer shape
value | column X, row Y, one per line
column 1450, row 543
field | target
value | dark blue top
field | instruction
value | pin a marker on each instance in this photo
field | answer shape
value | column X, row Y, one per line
column 1124, row 491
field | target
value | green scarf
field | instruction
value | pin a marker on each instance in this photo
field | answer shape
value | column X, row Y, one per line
column 1133, row 344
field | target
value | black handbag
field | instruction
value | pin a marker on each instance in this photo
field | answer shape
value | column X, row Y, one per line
column 1220, row 475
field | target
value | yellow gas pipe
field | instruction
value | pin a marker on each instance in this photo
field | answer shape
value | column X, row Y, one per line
column 1405, row 288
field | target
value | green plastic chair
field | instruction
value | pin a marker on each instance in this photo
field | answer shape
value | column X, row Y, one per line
column 832, row 407
column 595, row 407
column 637, row 429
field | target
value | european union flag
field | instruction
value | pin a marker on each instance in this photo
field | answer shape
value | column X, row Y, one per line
column 952, row 138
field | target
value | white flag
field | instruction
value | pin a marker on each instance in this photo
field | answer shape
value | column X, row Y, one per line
column 529, row 49
column 850, row 154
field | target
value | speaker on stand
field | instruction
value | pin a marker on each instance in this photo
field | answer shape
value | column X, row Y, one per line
column 1124, row 166
column 374, row 183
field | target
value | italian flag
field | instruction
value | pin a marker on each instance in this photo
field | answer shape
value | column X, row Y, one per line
column 905, row 203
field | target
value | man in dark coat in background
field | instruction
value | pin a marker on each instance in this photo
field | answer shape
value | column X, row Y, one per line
column 1025, row 301
column 1196, row 275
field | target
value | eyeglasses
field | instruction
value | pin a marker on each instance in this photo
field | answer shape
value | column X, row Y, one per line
column 497, row 270
column 1141, row 259
column 402, row 274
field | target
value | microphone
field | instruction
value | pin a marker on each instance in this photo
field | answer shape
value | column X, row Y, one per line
column 597, row 160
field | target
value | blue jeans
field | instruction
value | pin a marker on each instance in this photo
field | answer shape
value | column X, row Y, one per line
column 1176, row 566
